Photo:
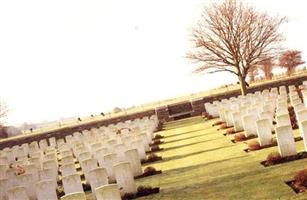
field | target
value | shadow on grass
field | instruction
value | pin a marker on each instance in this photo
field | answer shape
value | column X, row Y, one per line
column 182, row 124
column 188, row 132
column 165, row 159
column 184, row 169
column 189, row 144
column 182, row 139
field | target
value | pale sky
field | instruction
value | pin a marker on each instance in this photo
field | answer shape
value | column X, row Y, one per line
column 72, row 58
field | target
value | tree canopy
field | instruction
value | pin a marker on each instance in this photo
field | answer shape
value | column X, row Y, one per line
column 290, row 60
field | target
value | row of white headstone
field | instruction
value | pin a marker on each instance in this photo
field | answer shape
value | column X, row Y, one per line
column 43, row 191
column 254, row 114
column 105, row 157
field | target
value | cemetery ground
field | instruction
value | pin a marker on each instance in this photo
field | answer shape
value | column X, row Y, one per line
column 155, row 104
column 199, row 162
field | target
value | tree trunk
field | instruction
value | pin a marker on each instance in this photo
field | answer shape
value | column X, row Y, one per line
column 289, row 71
column 242, row 85
column 270, row 76
column 251, row 77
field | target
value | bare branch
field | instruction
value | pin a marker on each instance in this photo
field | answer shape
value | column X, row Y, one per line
column 234, row 37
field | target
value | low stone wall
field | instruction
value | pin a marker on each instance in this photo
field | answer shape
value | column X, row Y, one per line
column 61, row 133
column 198, row 104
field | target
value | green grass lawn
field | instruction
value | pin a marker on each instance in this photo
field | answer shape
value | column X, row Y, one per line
column 199, row 162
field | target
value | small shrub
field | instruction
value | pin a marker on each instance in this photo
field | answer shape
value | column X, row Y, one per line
column 239, row 137
column 223, row 126
column 149, row 171
column 82, row 176
column 86, row 186
column 60, row 191
column 129, row 196
column 293, row 118
column 294, row 123
column 153, row 157
column 155, row 148
column 209, row 117
column 273, row 158
column 204, row 114
column 230, row 131
column 254, row 145
column 300, row 178
column 156, row 141
column 146, row 190
column 217, row 123
column 158, row 136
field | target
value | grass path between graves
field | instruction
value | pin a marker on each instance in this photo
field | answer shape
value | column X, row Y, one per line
column 199, row 162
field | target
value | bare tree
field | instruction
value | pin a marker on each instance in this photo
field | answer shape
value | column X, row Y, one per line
column 267, row 66
column 3, row 111
column 290, row 60
column 252, row 73
column 232, row 37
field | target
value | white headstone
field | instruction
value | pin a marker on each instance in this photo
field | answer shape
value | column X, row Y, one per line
column 17, row 193
column 285, row 140
column 283, row 120
column 74, row 196
column 51, row 164
column 10, row 155
column 43, row 144
column 36, row 161
column 303, row 129
column 99, row 155
column 3, row 168
column 72, row 184
column 135, row 162
column 26, row 180
column 124, row 178
column 110, row 160
column 301, row 116
column 44, row 191
column 249, row 124
column 97, row 177
column 237, row 121
column 67, row 160
column 84, row 156
column 88, row 165
column 4, row 185
column 140, row 148
column 228, row 117
column 52, row 142
column 32, row 170
column 120, row 150
column 49, row 174
column 264, row 131
column 108, row 192
column 11, row 176
column 68, row 169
